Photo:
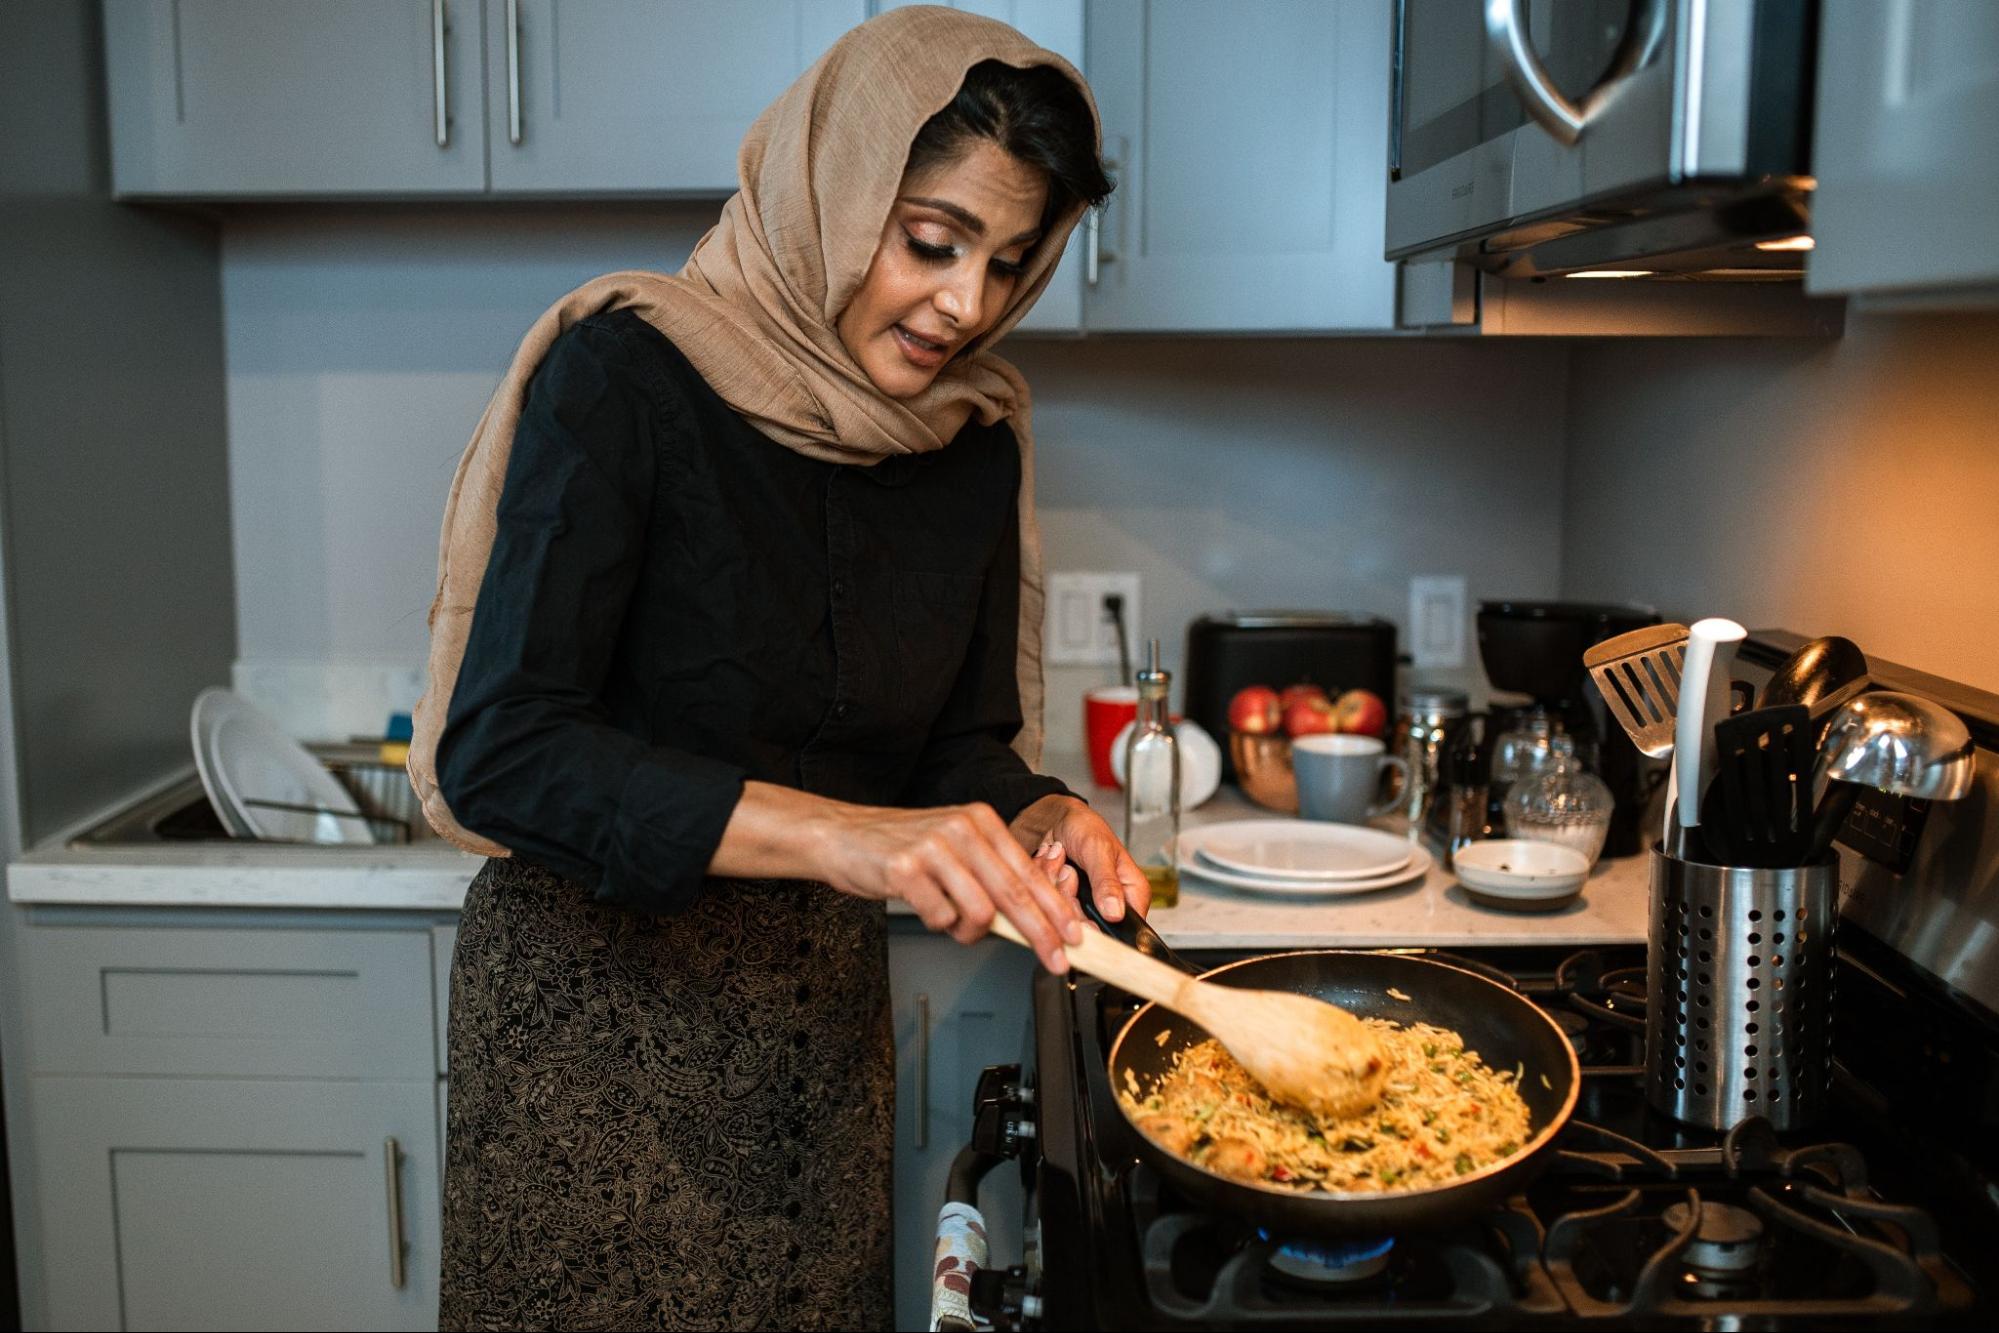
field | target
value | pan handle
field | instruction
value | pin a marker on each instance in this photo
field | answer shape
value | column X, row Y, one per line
column 1133, row 929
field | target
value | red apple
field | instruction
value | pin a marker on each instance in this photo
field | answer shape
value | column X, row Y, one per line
column 1362, row 713
column 1302, row 690
column 1254, row 709
column 1310, row 717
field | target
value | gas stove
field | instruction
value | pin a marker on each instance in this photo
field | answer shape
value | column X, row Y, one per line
column 1870, row 1219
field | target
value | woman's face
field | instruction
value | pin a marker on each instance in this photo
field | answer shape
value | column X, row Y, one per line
column 948, row 264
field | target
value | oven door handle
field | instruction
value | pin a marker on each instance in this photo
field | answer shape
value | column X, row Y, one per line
column 962, row 1250
column 1506, row 33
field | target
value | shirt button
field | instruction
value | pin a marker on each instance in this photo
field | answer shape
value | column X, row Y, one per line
column 839, row 587
column 843, row 711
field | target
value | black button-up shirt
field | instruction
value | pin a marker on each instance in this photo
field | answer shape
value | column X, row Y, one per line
column 675, row 603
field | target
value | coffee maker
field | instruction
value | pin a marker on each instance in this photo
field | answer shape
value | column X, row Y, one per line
column 1536, row 649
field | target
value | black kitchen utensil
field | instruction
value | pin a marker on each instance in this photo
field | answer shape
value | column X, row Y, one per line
column 1830, row 816
column 1499, row 1023
column 1759, row 810
column 1821, row 675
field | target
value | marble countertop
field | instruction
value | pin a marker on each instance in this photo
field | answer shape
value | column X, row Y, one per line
column 432, row 876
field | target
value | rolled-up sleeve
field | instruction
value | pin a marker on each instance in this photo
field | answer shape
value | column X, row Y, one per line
column 968, row 756
column 529, row 756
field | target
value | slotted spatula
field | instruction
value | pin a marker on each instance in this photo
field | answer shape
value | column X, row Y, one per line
column 1639, row 676
column 1760, row 808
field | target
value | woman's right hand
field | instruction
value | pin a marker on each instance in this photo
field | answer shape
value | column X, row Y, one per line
column 957, row 866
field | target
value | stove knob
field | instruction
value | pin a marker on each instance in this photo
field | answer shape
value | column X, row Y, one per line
column 1002, row 1299
column 997, row 1083
column 1001, row 1128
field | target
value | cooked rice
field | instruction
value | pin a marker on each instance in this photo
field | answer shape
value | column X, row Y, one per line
column 1443, row 1114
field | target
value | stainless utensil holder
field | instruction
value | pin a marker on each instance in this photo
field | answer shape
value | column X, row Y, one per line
column 1739, row 990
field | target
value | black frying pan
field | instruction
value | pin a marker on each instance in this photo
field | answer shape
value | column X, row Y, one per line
column 1495, row 1021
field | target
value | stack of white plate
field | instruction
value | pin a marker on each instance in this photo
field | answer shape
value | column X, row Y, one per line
column 1300, row 857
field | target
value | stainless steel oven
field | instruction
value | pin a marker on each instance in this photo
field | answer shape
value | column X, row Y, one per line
column 1536, row 137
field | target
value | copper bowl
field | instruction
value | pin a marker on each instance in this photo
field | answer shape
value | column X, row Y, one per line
column 1263, row 769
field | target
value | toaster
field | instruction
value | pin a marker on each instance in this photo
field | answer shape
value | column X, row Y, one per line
column 1230, row 649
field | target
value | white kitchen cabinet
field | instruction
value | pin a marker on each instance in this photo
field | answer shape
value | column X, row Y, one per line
column 957, row 1010
column 1252, row 149
column 1903, row 149
column 650, row 96
column 262, row 98
column 235, row 1203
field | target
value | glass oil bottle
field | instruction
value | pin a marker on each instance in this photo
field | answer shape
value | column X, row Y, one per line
column 1152, row 786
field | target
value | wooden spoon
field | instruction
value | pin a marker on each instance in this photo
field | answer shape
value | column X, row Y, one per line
column 1303, row 1051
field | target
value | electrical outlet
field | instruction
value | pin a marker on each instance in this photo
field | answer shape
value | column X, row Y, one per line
column 1437, row 621
column 1075, row 631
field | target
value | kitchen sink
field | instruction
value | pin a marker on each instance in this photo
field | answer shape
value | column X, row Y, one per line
column 180, row 812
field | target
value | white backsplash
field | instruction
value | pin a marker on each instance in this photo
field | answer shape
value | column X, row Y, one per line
column 325, row 701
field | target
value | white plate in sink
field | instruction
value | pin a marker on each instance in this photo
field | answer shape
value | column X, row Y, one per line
column 249, row 767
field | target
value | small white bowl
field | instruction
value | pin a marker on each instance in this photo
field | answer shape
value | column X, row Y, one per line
column 1521, row 876
column 1200, row 761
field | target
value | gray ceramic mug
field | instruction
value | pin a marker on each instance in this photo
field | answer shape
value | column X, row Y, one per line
column 1339, row 777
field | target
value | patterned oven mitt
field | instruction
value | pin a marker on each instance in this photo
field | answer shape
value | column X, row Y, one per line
column 961, row 1252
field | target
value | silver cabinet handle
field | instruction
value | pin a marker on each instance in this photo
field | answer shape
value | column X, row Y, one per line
column 1506, row 33
column 923, row 1071
column 440, row 76
column 392, row 1155
column 514, row 72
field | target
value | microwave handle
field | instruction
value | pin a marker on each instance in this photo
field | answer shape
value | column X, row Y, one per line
column 1506, row 31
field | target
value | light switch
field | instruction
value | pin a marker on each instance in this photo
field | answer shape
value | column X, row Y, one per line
column 1437, row 621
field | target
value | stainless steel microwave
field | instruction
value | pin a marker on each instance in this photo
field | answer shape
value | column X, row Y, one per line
column 1665, row 138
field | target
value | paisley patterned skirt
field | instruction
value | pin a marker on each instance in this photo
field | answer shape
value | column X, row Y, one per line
column 668, row 1122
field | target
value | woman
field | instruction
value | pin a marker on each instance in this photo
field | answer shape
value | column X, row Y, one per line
column 738, row 615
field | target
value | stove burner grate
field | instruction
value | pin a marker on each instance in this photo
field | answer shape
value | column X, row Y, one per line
column 1771, row 1230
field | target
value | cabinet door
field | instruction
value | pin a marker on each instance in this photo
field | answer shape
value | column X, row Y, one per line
column 1908, row 181
column 957, row 1010
column 227, row 1203
column 295, row 97
column 1057, row 25
column 1252, row 147
column 649, row 96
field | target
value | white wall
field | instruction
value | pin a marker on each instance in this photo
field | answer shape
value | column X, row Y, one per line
column 1827, row 487
column 363, row 345
column 1312, row 473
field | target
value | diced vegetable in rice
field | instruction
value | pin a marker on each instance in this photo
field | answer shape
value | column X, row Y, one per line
column 1443, row 1114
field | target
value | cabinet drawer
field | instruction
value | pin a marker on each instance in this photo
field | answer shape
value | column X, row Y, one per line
column 191, row 1001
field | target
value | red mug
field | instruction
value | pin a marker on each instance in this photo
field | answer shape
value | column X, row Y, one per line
column 1105, row 711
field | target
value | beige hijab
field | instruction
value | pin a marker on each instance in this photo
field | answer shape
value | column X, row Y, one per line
column 755, row 308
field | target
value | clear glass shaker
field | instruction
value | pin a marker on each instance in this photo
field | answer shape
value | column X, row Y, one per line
column 1152, row 786
column 1567, row 804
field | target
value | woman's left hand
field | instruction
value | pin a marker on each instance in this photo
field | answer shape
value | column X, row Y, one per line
column 1115, row 879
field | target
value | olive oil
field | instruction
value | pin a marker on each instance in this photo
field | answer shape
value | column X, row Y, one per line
column 1152, row 786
